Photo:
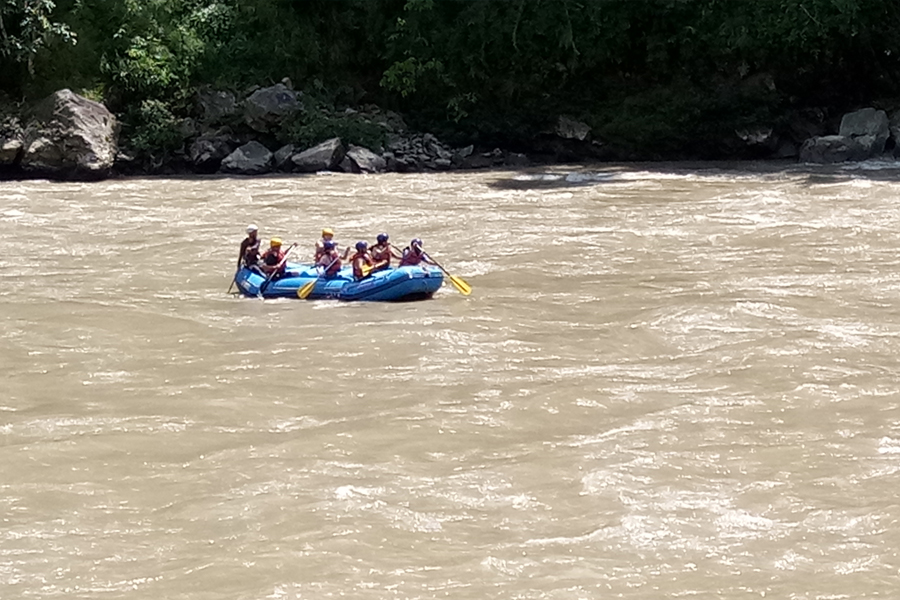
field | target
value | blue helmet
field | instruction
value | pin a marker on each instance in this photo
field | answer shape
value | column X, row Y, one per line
column 416, row 243
column 361, row 246
column 382, row 238
column 329, row 245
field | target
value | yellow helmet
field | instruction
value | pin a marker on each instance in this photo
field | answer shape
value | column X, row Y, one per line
column 327, row 231
column 275, row 242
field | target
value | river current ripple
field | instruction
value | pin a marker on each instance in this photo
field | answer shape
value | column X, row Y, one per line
column 670, row 381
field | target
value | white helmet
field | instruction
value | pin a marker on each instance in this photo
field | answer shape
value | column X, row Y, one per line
column 251, row 228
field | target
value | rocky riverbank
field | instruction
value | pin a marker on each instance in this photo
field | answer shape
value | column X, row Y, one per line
column 66, row 136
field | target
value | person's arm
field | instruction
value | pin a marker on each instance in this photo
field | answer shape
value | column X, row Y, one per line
column 242, row 253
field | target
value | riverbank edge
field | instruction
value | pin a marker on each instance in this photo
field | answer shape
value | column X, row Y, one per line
column 69, row 137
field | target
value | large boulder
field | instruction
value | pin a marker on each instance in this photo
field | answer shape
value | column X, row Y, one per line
column 70, row 137
column 324, row 157
column 570, row 129
column 10, row 150
column 207, row 152
column 11, row 143
column 250, row 159
column 869, row 127
column 363, row 160
column 281, row 160
column 832, row 149
column 215, row 105
column 267, row 107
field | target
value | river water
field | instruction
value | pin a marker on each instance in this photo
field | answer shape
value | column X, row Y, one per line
column 671, row 381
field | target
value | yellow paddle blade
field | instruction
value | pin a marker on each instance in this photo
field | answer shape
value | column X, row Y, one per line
column 464, row 288
column 307, row 289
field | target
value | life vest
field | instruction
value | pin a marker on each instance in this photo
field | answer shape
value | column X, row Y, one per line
column 358, row 261
column 272, row 258
column 250, row 251
column 331, row 261
column 411, row 258
column 320, row 250
column 382, row 253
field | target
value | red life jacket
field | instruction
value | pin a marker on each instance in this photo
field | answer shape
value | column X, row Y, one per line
column 411, row 258
column 382, row 253
column 332, row 261
column 274, row 257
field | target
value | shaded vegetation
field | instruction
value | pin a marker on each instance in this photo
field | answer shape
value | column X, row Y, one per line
column 655, row 78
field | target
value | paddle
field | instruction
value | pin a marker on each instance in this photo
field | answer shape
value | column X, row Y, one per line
column 462, row 287
column 307, row 289
column 265, row 284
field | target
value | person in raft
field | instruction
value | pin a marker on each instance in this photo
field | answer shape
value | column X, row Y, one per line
column 327, row 236
column 330, row 260
column 273, row 262
column 414, row 255
column 362, row 261
column 249, row 254
column 383, row 252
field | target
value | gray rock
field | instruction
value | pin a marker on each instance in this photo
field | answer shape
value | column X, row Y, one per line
column 570, row 129
column 250, row 159
column 268, row 107
column 365, row 160
column 216, row 105
column 324, row 157
column 207, row 152
column 832, row 149
column 517, row 159
column 755, row 137
column 281, row 160
column 70, row 137
column 10, row 149
column 870, row 127
column 347, row 166
column 467, row 151
column 442, row 164
column 187, row 128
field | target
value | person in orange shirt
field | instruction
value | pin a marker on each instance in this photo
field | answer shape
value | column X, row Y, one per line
column 362, row 261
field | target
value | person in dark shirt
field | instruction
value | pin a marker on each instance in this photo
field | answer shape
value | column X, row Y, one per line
column 249, row 254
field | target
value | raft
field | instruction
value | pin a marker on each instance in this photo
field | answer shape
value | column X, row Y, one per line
column 394, row 284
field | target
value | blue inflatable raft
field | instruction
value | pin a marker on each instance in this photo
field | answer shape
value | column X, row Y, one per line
column 399, row 284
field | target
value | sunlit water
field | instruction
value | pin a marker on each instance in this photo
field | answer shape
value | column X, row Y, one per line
column 668, row 382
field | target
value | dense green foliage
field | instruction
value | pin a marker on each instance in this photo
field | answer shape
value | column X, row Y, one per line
column 661, row 74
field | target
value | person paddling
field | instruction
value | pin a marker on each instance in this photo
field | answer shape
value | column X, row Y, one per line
column 273, row 262
column 414, row 255
column 327, row 236
column 362, row 261
column 330, row 260
column 383, row 252
column 249, row 254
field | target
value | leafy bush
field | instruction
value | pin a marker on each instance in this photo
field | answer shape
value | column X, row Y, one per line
column 320, row 126
column 152, row 128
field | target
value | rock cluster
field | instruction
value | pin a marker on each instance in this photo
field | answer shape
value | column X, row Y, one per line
column 66, row 137
column 863, row 134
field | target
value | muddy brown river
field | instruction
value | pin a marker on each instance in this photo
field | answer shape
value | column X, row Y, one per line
column 670, row 381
